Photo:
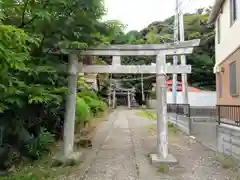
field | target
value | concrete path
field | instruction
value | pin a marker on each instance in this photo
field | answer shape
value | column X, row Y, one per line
column 119, row 157
column 121, row 148
column 116, row 157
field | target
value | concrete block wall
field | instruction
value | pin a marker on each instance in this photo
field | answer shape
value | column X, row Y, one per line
column 197, row 113
column 181, row 122
column 203, row 111
column 203, row 114
column 152, row 103
column 228, row 140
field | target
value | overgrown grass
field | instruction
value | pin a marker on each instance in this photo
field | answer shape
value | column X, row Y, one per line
column 171, row 129
column 41, row 170
column 150, row 115
column 153, row 116
column 227, row 162
column 163, row 168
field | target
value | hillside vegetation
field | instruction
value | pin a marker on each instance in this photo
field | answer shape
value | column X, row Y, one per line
column 202, row 59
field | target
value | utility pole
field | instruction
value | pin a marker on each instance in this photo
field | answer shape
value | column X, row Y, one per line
column 183, row 60
column 143, row 96
column 110, row 92
column 175, row 58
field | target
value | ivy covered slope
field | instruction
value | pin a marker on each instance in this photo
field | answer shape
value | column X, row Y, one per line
column 32, row 87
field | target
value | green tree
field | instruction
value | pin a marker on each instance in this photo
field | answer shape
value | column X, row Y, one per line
column 202, row 59
column 32, row 84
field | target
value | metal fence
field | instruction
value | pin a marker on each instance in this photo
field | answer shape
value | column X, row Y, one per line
column 209, row 111
column 179, row 109
column 228, row 114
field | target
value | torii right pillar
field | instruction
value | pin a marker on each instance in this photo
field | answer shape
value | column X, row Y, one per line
column 162, row 155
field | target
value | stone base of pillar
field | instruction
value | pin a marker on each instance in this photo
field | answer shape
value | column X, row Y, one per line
column 169, row 160
column 73, row 159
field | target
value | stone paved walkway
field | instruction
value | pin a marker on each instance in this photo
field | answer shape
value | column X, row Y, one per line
column 122, row 144
column 116, row 158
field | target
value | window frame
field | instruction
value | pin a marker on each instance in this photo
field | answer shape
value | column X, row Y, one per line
column 220, row 89
column 218, row 30
column 233, row 77
column 233, row 11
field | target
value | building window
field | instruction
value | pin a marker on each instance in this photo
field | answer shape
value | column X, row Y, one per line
column 219, row 85
column 233, row 79
column 233, row 11
column 218, row 30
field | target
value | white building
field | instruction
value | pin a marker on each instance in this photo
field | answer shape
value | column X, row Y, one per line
column 226, row 17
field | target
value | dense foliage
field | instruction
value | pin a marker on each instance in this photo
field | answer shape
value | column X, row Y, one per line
column 32, row 85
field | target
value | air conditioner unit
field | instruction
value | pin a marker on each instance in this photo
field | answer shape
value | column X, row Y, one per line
column 220, row 69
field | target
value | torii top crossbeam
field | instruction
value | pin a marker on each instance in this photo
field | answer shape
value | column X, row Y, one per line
column 179, row 48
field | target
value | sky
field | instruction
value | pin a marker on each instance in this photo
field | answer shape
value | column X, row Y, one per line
column 138, row 14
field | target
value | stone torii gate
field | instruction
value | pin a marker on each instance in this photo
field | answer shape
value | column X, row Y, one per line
column 160, row 69
column 115, row 91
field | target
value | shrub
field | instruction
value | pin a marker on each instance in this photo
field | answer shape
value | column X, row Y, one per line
column 41, row 144
column 103, row 106
column 83, row 112
column 95, row 105
column 91, row 94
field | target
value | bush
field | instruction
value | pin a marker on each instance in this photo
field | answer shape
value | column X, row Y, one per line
column 83, row 112
column 103, row 106
column 41, row 145
column 91, row 94
column 95, row 105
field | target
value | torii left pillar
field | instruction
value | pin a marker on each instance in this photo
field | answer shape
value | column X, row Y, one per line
column 129, row 100
column 114, row 99
column 69, row 119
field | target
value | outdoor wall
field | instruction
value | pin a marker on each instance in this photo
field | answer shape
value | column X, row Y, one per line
column 227, row 33
column 226, row 98
column 195, row 99
column 228, row 140
column 181, row 122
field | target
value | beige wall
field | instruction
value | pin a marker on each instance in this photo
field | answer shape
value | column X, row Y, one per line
column 230, row 35
column 226, row 98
